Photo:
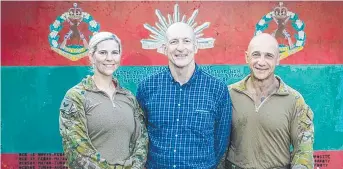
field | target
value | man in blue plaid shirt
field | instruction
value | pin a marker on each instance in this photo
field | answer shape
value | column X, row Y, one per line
column 188, row 111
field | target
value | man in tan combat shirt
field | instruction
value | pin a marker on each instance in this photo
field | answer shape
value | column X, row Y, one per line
column 268, row 116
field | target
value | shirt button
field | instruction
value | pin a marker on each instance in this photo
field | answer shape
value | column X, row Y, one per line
column 174, row 166
column 180, row 89
column 174, row 151
column 175, row 135
column 177, row 119
column 179, row 105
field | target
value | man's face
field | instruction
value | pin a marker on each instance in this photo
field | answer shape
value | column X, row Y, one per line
column 262, row 58
column 180, row 47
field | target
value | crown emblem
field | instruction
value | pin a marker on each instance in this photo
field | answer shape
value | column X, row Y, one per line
column 280, row 11
column 74, row 45
column 75, row 13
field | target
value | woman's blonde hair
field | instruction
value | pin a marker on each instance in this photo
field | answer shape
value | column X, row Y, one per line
column 99, row 37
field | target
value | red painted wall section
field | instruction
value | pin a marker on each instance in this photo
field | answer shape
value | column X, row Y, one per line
column 25, row 29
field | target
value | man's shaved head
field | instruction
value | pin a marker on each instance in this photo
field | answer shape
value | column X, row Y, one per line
column 264, row 39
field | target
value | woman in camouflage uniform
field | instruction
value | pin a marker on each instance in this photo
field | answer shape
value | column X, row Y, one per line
column 101, row 124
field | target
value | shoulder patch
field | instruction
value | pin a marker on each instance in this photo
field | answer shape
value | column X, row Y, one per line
column 68, row 107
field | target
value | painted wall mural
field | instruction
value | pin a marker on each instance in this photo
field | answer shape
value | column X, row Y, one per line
column 281, row 15
column 44, row 49
column 74, row 17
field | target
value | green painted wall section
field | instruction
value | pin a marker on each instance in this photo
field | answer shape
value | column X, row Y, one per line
column 31, row 97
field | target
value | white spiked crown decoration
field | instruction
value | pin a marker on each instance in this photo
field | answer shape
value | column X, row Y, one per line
column 159, row 38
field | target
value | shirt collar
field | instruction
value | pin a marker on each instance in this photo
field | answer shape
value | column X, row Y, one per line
column 241, row 86
column 193, row 77
column 89, row 84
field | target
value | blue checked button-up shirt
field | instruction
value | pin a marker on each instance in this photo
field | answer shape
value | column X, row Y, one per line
column 189, row 125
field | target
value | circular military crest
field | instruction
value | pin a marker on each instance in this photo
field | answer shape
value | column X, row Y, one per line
column 281, row 16
column 68, row 48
